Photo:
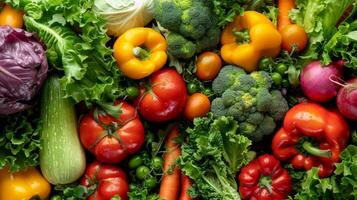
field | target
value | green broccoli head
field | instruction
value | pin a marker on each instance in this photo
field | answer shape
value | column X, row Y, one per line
column 247, row 98
column 168, row 14
column 180, row 47
column 226, row 78
column 195, row 20
column 280, row 107
column 209, row 40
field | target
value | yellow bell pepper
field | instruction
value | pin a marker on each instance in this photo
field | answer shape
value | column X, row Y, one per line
column 23, row 185
column 139, row 52
column 264, row 40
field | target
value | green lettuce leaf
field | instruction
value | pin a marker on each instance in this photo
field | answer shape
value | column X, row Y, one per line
column 20, row 140
column 341, row 185
column 213, row 155
column 321, row 20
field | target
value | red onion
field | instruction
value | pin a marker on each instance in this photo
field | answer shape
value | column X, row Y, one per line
column 347, row 99
column 315, row 80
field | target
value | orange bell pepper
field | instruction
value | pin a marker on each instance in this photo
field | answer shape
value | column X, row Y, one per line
column 23, row 185
column 139, row 52
column 264, row 40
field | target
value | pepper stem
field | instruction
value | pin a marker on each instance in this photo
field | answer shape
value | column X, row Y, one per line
column 308, row 147
column 241, row 36
column 141, row 53
column 265, row 181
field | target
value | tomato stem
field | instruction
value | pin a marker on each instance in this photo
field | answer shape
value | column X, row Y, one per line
column 265, row 181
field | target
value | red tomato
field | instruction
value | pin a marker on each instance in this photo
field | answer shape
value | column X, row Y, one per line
column 108, row 181
column 166, row 98
column 110, row 139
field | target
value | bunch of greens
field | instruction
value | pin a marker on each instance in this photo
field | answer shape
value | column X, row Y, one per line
column 20, row 140
column 76, row 45
column 341, row 185
column 212, row 156
column 227, row 10
column 328, row 38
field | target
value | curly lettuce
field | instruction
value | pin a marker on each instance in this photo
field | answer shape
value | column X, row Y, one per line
column 341, row 185
column 20, row 140
column 212, row 156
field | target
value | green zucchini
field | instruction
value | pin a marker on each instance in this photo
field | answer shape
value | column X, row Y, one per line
column 62, row 158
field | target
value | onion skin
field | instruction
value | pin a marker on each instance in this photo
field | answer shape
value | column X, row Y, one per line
column 315, row 80
column 347, row 99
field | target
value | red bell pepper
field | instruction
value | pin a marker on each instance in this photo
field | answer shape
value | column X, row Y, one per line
column 264, row 178
column 106, row 180
column 304, row 125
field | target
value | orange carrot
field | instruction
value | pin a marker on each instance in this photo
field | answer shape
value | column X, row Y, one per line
column 170, row 184
column 186, row 183
column 284, row 7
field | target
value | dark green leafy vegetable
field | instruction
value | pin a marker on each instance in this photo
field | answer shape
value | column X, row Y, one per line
column 212, row 156
column 20, row 140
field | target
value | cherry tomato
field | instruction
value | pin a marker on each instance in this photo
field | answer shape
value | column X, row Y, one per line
column 208, row 65
column 166, row 98
column 157, row 162
column 293, row 34
column 11, row 17
column 277, row 79
column 132, row 92
column 150, row 182
column 135, row 162
column 110, row 139
column 107, row 180
column 192, row 88
column 198, row 105
column 142, row 172
column 281, row 68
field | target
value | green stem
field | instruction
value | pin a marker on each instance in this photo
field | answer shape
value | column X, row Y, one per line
column 241, row 36
column 110, row 109
column 308, row 147
column 265, row 181
column 141, row 53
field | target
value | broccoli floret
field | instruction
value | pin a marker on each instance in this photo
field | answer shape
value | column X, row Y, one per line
column 280, row 106
column 180, row 47
column 217, row 107
column 209, row 40
column 262, row 78
column 248, row 99
column 168, row 14
column 264, row 100
column 195, row 21
column 226, row 78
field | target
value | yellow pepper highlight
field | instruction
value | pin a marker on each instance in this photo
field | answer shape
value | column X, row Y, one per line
column 265, row 40
column 23, row 185
column 139, row 52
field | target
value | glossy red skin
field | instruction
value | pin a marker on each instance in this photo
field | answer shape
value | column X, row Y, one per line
column 328, row 128
column 109, row 149
column 264, row 165
column 166, row 99
column 347, row 99
column 109, row 181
